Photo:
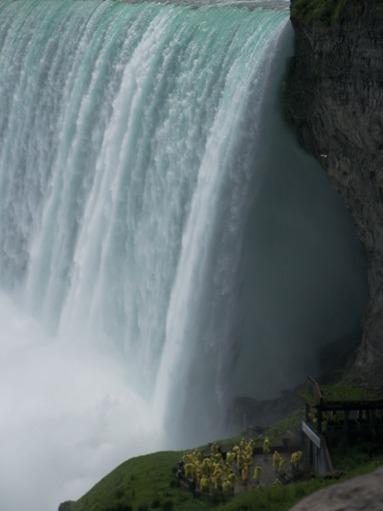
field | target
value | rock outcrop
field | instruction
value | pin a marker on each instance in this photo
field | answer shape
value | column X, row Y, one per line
column 334, row 99
column 359, row 494
column 66, row 506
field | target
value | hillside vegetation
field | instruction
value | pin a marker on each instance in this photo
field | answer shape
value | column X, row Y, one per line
column 148, row 483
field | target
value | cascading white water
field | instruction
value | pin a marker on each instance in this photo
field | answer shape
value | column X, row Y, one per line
column 130, row 155
column 124, row 174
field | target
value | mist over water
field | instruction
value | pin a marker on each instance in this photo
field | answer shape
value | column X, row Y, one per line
column 155, row 213
column 68, row 415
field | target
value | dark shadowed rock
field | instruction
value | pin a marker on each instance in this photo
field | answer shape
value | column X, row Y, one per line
column 335, row 102
column 249, row 413
column 364, row 493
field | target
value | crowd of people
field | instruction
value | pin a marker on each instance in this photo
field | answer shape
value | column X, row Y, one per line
column 220, row 472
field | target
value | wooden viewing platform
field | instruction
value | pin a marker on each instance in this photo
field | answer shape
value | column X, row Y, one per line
column 331, row 421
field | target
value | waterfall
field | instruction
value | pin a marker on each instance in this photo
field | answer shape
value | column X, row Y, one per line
column 120, row 134
column 131, row 153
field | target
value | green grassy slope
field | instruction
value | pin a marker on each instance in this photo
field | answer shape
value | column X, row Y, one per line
column 147, row 483
column 139, row 484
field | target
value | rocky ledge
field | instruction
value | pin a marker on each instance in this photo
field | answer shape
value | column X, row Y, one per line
column 359, row 494
column 334, row 100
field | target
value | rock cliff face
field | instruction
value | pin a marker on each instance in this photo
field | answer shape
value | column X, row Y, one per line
column 335, row 102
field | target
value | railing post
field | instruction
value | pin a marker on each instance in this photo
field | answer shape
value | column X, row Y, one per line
column 319, row 409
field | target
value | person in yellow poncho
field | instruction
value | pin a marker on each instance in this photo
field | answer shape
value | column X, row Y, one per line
column 278, row 461
column 266, row 445
column 248, row 451
column 204, row 484
column 245, row 474
column 189, row 470
column 296, row 458
column 295, row 461
column 230, row 457
column 205, row 466
column 227, row 487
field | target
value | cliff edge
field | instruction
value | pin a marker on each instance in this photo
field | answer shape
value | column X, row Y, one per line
column 334, row 100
